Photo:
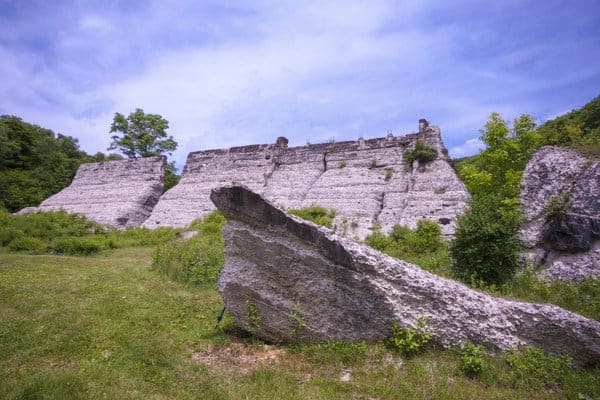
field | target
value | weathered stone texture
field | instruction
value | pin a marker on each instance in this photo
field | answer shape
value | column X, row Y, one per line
column 120, row 193
column 292, row 270
column 367, row 182
column 567, row 246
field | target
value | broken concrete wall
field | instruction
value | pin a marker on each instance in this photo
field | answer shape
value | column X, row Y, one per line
column 120, row 193
column 367, row 182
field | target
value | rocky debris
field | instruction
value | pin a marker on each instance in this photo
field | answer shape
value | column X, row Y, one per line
column 565, row 244
column 367, row 182
column 121, row 193
column 290, row 280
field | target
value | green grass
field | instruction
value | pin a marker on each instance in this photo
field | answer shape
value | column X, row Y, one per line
column 317, row 214
column 63, row 233
column 107, row 326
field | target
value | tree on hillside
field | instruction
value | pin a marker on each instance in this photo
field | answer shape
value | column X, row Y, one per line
column 34, row 162
column 141, row 135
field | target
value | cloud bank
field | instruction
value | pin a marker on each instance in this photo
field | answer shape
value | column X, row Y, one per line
column 227, row 75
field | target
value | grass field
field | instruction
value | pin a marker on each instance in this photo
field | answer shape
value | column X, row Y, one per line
column 108, row 327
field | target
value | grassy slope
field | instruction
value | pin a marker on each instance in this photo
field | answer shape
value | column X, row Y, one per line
column 108, row 327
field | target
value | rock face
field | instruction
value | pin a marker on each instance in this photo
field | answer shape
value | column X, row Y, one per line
column 567, row 245
column 367, row 182
column 298, row 281
column 120, row 193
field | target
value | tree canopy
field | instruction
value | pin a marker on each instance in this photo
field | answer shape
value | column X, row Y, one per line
column 35, row 162
column 141, row 135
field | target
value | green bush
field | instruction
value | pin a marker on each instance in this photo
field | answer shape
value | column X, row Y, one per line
column 423, row 246
column 195, row 261
column 471, row 360
column 409, row 341
column 50, row 225
column 531, row 368
column 66, row 233
column 557, row 206
column 314, row 213
column 79, row 245
column 131, row 237
column 8, row 234
column 421, row 152
column 485, row 247
column 28, row 244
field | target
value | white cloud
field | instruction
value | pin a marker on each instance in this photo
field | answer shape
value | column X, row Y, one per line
column 468, row 148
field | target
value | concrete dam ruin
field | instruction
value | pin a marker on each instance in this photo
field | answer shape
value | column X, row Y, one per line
column 367, row 182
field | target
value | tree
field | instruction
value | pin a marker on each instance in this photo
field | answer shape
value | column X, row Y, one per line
column 143, row 135
column 486, row 247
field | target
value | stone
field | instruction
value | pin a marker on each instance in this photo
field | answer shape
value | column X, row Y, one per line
column 306, row 283
column 366, row 182
column 565, row 246
column 121, row 193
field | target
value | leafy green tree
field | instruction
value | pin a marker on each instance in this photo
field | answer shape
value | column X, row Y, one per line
column 34, row 162
column 486, row 247
column 141, row 135
column 171, row 178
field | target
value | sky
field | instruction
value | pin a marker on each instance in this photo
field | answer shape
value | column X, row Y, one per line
column 236, row 73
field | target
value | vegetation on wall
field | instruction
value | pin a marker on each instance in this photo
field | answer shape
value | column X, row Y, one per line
column 421, row 152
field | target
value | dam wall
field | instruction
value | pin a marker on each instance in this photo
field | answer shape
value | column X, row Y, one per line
column 367, row 182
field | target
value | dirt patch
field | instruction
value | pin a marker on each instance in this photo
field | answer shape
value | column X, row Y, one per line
column 239, row 358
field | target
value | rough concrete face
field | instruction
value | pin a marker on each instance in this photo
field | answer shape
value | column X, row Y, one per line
column 367, row 182
column 568, row 247
column 120, row 193
column 290, row 270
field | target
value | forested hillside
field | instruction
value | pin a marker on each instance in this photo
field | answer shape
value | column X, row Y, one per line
column 36, row 163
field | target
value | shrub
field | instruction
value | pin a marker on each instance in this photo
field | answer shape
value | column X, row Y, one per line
column 531, row 368
column 195, row 261
column 557, row 206
column 486, row 247
column 343, row 163
column 8, row 234
column 409, row 341
column 471, row 360
column 79, row 246
column 29, row 244
column 421, row 152
column 319, row 215
column 423, row 246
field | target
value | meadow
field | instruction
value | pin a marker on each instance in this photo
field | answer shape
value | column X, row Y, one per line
column 120, row 324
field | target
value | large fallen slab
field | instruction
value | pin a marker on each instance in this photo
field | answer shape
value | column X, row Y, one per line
column 121, row 193
column 291, row 275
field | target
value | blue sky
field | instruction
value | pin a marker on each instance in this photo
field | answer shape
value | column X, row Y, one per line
column 234, row 73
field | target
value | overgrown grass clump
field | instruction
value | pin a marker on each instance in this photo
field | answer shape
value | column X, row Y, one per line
column 314, row 213
column 63, row 233
column 197, row 260
column 423, row 246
